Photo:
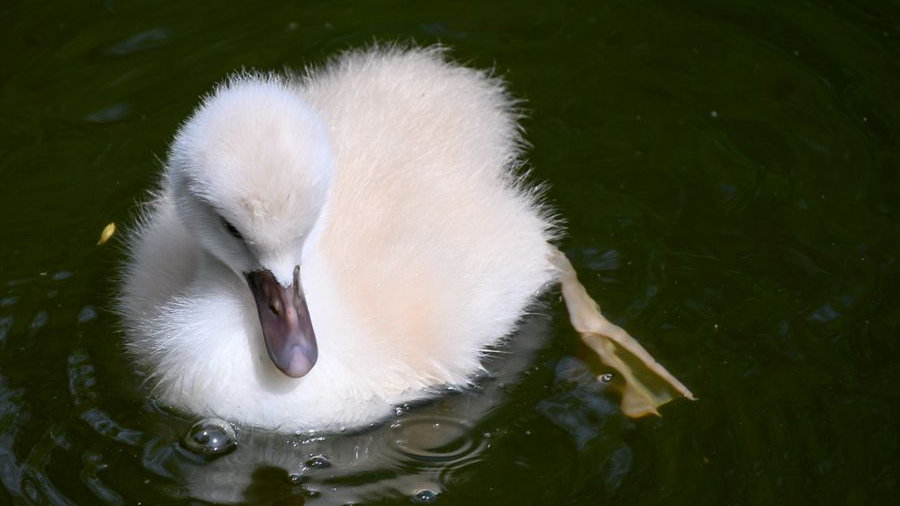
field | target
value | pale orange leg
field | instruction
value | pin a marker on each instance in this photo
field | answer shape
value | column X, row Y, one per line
column 603, row 336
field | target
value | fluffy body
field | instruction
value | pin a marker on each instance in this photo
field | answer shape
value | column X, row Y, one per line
column 389, row 176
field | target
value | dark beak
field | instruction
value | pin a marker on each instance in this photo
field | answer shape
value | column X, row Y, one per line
column 285, row 322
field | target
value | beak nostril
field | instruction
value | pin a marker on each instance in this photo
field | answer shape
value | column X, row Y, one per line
column 275, row 306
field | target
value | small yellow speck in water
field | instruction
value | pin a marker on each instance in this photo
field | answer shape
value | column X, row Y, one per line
column 108, row 232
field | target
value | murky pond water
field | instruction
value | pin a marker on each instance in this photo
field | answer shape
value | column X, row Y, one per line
column 728, row 172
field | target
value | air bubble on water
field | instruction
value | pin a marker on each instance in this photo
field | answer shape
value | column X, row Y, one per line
column 210, row 437
column 318, row 462
column 606, row 377
column 295, row 478
column 424, row 497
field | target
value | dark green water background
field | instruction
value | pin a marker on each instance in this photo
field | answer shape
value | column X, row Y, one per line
column 728, row 171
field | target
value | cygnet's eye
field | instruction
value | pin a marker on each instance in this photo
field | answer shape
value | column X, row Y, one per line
column 231, row 229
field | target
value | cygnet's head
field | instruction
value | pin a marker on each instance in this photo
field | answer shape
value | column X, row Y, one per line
column 249, row 171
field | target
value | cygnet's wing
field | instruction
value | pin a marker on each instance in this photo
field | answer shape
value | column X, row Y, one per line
column 161, row 260
column 429, row 235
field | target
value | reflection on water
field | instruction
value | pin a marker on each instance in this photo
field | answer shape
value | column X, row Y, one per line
column 728, row 173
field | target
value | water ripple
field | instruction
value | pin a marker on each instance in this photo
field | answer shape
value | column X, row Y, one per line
column 142, row 41
column 435, row 441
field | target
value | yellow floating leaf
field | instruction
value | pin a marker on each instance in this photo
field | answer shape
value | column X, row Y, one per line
column 108, row 232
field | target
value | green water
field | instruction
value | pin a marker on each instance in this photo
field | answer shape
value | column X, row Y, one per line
column 728, row 172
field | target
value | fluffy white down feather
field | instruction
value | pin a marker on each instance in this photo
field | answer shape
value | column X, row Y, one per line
column 389, row 176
